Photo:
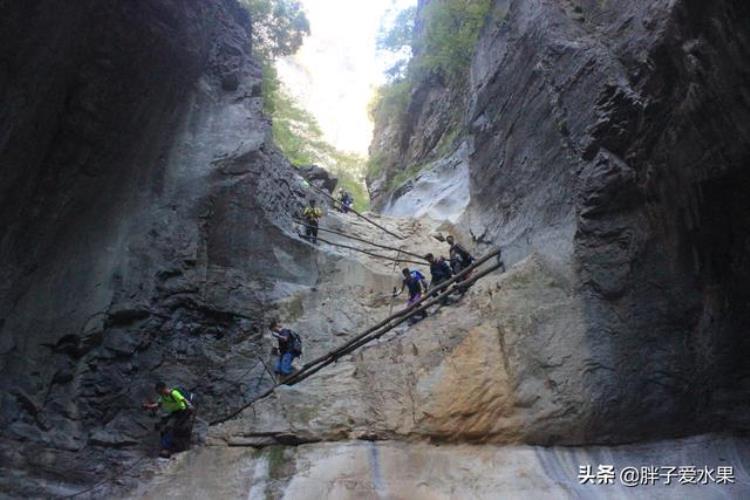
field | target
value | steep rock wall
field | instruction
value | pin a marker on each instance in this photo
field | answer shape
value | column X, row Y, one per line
column 612, row 140
column 606, row 131
column 143, row 225
column 407, row 140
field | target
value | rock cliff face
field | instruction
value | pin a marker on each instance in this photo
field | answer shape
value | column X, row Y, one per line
column 425, row 130
column 405, row 142
column 611, row 139
column 145, row 233
column 143, row 226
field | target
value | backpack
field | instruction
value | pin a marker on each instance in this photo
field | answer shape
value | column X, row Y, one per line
column 185, row 394
column 295, row 343
column 417, row 275
column 468, row 259
column 445, row 267
column 464, row 257
column 312, row 214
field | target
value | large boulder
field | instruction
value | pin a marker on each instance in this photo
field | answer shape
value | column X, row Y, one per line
column 319, row 177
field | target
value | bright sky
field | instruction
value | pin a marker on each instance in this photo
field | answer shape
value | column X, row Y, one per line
column 335, row 72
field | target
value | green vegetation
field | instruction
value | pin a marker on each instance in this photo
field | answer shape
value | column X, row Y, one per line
column 446, row 44
column 350, row 171
column 447, row 141
column 450, row 35
column 398, row 39
column 375, row 165
column 276, row 461
column 391, row 100
column 445, row 47
column 400, row 34
column 403, row 176
column 298, row 135
column 279, row 28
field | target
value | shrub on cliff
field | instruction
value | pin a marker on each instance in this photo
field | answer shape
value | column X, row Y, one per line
column 278, row 27
column 450, row 34
column 397, row 38
column 390, row 100
column 444, row 45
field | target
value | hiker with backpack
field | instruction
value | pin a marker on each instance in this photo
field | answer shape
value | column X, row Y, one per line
column 312, row 215
column 440, row 271
column 415, row 282
column 177, row 425
column 460, row 258
column 346, row 200
column 290, row 347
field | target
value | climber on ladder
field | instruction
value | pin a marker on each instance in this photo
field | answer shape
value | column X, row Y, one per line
column 460, row 259
column 415, row 282
column 345, row 201
column 312, row 215
column 176, row 428
column 440, row 271
column 290, row 347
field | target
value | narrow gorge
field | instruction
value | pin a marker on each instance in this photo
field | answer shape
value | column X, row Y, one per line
column 147, row 232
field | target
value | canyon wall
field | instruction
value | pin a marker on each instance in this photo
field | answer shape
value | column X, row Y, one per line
column 611, row 139
column 143, row 226
column 145, row 234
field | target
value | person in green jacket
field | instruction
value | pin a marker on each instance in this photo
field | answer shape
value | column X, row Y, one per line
column 177, row 425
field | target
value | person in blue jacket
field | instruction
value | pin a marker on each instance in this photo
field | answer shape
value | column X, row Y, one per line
column 414, row 281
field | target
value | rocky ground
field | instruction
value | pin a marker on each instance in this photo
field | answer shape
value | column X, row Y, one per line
column 398, row 470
